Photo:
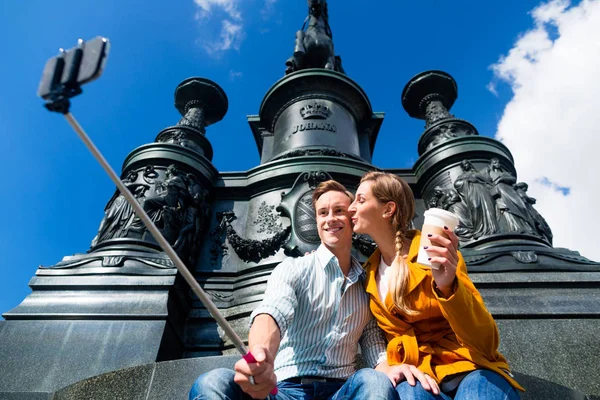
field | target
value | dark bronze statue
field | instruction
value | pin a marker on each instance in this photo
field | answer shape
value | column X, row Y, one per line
column 449, row 199
column 314, row 46
column 475, row 189
column 180, row 209
column 513, row 215
column 118, row 214
column 541, row 225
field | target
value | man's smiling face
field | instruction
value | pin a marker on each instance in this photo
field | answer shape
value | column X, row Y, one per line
column 333, row 219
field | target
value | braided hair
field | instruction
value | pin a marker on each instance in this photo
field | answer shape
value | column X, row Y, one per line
column 388, row 187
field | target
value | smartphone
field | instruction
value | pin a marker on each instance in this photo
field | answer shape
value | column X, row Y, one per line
column 74, row 67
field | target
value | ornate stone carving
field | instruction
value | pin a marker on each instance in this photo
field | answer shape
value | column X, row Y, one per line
column 489, row 202
column 132, row 262
column 150, row 174
column 525, row 257
column 218, row 247
column 177, row 204
column 429, row 96
column 541, row 225
column 435, row 110
column 313, row 152
column 219, row 297
column 201, row 102
column 248, row 250
column 255, row 250
column 364, row 244
column 296, row 205
column 511, row 209
column 315, row 111
column 445, row 131
column 179, row 137
column 118, row 214
column 267, row 220
column 475, row 190
column 449, row 199
column 314, row 46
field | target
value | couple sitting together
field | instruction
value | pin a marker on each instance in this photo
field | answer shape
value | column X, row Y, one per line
column 425, row 332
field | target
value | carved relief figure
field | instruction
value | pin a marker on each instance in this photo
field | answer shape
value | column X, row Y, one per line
column 475, row 188
column 170, row 199
column 512, row 212
column 194, row 220
column 179, row 208
column 118, row 214
column 314, row 47
column 541, row 225
column 449, row 199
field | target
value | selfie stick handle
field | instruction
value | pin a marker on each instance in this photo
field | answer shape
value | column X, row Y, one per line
column 189, row 278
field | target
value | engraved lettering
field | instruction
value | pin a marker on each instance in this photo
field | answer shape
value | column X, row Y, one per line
column 314, row 127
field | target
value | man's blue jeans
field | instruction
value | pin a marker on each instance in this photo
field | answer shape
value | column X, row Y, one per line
column 364, row 384
column 480, row 384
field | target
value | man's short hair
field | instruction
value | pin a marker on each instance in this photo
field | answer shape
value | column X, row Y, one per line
column 329, row 186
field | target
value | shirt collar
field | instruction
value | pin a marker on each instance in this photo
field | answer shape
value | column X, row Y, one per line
column 324, row 255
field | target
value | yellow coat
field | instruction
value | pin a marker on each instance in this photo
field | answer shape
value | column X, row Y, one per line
column 447, row 336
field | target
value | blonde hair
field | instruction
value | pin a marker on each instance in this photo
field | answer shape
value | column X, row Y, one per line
column 329, row 186
column 388, row 187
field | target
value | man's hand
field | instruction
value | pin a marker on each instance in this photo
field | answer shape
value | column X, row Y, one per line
column 262, row 372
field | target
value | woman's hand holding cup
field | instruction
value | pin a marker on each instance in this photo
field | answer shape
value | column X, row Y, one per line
column 439, row 248
column 444, row 252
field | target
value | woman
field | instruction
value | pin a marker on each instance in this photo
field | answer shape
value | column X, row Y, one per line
column 442, row 341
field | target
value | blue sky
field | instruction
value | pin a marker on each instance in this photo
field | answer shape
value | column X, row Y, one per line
column 57, row 192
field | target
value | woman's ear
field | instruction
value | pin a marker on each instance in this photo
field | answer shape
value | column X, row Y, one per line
column 390, row 209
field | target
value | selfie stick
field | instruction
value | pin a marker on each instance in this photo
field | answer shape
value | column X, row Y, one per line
column 164, row 244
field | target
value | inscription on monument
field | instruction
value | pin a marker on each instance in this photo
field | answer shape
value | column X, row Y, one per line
column 315, row 110
column 314, row 126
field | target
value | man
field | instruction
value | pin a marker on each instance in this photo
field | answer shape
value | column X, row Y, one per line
column 313, row 316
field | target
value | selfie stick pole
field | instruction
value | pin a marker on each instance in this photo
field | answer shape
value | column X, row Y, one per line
column 189, row 278
column 57, row 90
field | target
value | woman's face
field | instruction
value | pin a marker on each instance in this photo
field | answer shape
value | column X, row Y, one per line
column 367, row 212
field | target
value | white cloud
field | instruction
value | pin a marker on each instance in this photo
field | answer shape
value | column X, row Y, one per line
column 268, row 8
column 231, row 33
column 233, row 75
column 551, row 123
column 206, row 7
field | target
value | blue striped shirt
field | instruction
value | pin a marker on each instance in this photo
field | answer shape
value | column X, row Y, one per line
column 322, row 316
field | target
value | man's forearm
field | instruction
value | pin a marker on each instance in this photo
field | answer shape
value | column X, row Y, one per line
column 264, row 332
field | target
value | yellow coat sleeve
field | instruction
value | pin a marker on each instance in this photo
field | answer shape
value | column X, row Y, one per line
column 470, row 320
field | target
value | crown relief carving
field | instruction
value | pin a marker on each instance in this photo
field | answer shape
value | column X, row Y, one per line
column 315, row 111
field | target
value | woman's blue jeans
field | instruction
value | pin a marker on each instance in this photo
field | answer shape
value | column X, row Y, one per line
column 480, row 384
column 366, row 384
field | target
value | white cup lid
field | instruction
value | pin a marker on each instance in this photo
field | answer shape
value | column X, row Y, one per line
column 440, row 217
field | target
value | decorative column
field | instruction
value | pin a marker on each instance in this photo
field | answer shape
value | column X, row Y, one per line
column 474, row 177
column 120, row 304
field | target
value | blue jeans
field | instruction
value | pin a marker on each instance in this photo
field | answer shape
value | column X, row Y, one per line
column 480, row 384
column 364, row 384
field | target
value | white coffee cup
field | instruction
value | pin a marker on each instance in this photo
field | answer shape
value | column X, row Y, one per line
column 435, row 220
